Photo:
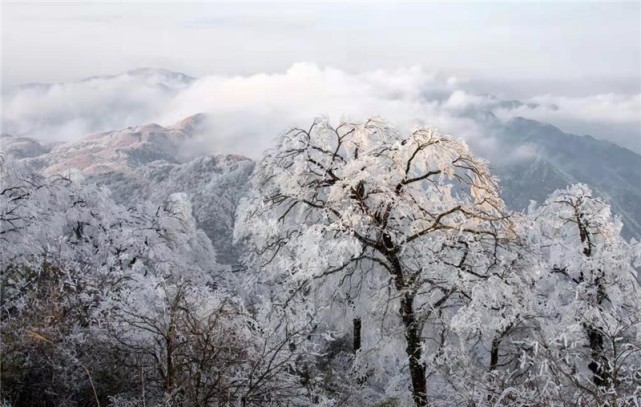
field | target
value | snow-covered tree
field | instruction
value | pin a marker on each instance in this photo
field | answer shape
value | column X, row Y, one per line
column 364, row 216
column 99, row 302
column 591, row 300
column 60, row 256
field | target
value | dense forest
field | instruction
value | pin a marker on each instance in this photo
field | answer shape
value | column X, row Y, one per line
column 376, row 268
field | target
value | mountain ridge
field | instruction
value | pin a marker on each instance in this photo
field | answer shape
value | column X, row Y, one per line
column 148, row 162
column 613, row 171
column 160, row 74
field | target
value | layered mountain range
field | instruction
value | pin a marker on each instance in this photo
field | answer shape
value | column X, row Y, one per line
column 147, row 163
column 150, row 161
column 560, row 159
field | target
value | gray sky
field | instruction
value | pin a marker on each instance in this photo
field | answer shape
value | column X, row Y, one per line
column 535, row 47
column 263, row 67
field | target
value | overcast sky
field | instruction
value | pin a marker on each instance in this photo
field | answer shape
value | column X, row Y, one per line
column 575, row 65
column 578, row 47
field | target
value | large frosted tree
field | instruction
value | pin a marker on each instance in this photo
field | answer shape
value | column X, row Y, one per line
column 345, row 208
column 591, row 312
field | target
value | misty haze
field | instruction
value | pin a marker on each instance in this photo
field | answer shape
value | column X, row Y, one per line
column 347, row 204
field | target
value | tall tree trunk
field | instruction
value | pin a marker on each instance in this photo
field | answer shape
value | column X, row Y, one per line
column 599, row 362
column 599, row 365
column 494, row 353
column 496, row 345
column 357, row 334
column 413, row 350
column 169, row 379
column 412, row 335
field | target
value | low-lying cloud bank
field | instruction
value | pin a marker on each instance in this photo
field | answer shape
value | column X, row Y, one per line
column 246, row 113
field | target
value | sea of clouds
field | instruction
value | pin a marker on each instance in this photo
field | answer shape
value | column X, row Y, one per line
column 246, row 113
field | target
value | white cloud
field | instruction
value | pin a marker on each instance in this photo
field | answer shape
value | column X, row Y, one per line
column 616, row 117
column 69, row 110
column 602, row 108
column 248, row 112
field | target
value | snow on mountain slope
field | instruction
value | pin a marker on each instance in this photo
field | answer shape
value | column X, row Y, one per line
column 148, row 163
column 22, row 147
column 119, row 150
column 216, row 183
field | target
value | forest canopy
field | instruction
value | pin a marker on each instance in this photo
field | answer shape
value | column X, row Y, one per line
column 374, row 267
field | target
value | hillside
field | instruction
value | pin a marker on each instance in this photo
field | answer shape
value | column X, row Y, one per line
column 149, row 162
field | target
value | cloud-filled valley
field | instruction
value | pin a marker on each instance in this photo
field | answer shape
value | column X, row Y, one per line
column 246, row 113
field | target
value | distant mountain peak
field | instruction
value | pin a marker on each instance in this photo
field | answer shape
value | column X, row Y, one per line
column 158, row 76
column 160, row 73
column 612, row 171
column 155, row 76
column 192, row 124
